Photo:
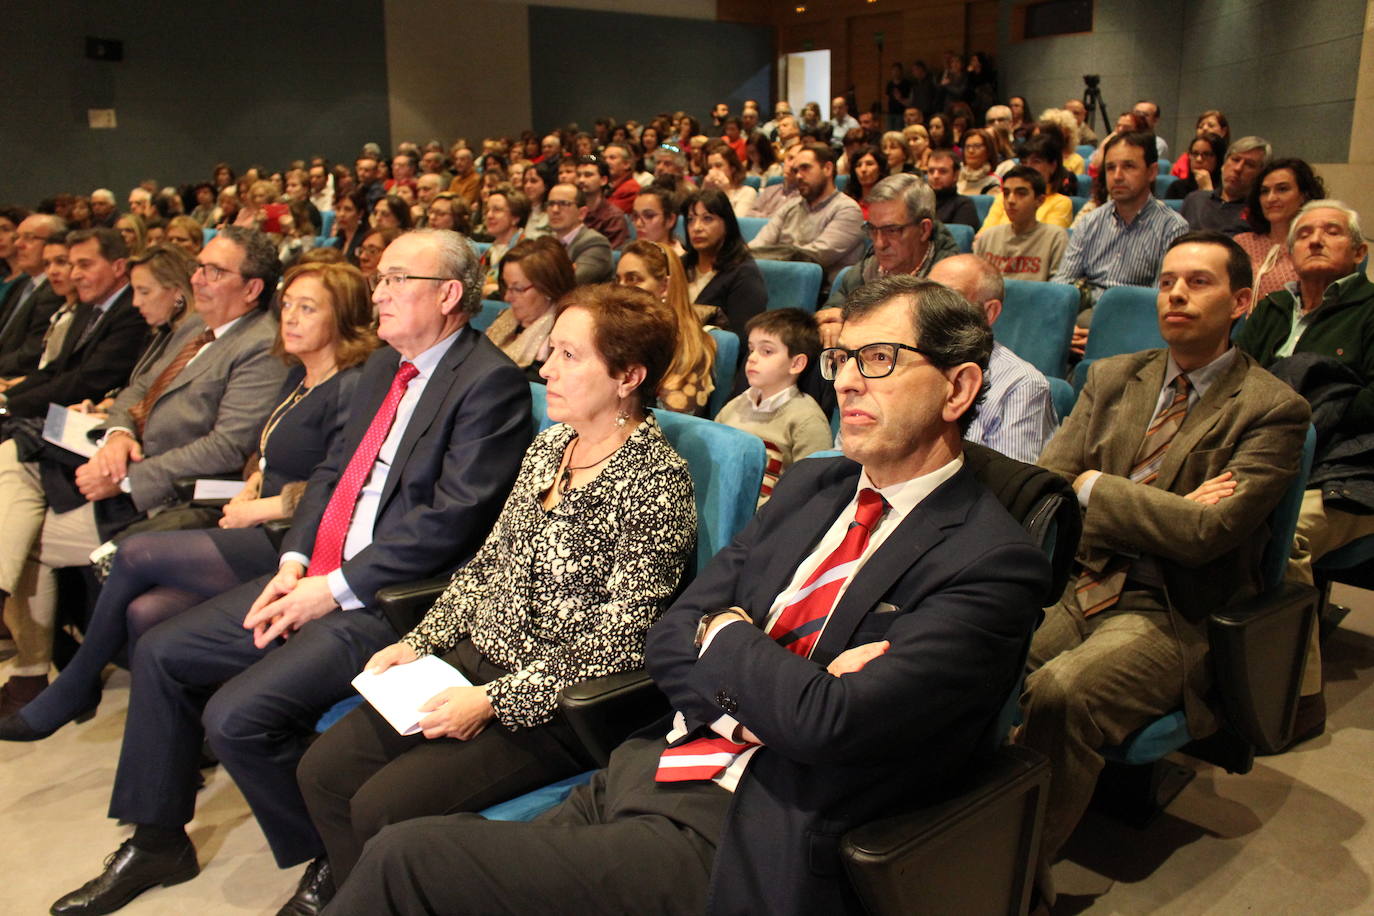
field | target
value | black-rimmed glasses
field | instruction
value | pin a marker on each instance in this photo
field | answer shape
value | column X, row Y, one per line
column 876, row 360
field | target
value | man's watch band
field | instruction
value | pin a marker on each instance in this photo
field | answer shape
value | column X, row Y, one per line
column 704, row 623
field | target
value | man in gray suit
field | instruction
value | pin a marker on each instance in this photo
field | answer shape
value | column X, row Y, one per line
column 589, row 250
column 195, row 412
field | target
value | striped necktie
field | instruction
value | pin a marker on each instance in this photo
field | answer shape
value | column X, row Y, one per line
column 1099, row 589
column 797, row 628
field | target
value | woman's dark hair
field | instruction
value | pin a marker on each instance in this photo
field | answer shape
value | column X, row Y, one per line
column 357, row 197
column 545, row 263
column 733, row 250
column 1048, row 144
column 1310, row 186
column 767, row 155
column 947, row 141
column 852, row 187
column 398, row 208
column 1218, row 146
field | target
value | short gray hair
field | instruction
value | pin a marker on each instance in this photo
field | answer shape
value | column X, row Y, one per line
column 55, row 224
column 260, row 259
column 141, row 193
column 911, row 190
column 1246, row 144
column 457, row 260
column 104, row 194
column 1352, row 219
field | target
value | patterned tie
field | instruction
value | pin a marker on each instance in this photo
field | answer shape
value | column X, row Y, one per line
column 1099, row 589
column 797, row 629
column 338, row 514
column 160, row 384
column 56, row 334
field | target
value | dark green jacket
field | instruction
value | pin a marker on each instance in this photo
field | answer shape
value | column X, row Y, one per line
column 1342, row 327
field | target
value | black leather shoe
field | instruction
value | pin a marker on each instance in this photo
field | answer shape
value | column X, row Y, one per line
column 14, row 728
column 314, row 891
column 129, row 871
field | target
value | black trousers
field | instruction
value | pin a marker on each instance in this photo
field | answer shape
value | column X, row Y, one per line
column 618, row 845
column 361, row 776
column 258, row 722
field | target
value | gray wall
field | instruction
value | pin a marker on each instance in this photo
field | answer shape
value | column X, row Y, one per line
column 249, row 82
column 587, row 64
column 1281, row 69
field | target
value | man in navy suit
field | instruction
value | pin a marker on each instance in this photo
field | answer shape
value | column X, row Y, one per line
column 843, row 657
column 442, row 421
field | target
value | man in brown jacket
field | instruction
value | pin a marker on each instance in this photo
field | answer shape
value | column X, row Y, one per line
column 1178, row 457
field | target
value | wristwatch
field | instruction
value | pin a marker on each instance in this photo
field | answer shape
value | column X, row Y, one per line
column 704, row 623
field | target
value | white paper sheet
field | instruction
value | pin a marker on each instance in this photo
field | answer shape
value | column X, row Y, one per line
column 68, row 429
column 399, row 691
column 209, row 488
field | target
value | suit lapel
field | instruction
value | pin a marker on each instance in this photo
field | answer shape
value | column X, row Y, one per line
column 921, row 530
column 203, row 362
column 427, row 411
column 1136, row 406
column 801, row 532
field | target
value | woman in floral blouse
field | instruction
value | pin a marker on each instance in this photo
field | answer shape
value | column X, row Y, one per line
column 588, row 549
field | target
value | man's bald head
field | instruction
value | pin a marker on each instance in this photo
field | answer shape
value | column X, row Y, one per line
column 975, row 279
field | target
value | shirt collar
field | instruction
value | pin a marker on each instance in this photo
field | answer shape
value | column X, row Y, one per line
column 820, row 204
column 105, row 305
column 568, row 239
column 905, row 496
column 1201, row 379
column 773, row 402
column 428, row 361
column 227, row 326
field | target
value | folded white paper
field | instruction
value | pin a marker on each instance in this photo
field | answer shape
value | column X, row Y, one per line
column 68, row 428
column 399, row 691
column 209, row 488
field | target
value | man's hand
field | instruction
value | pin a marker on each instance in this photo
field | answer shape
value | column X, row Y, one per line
column 1213, row 491
column 722, row 620
column 93, row 484
column 830, row 322
column 851, row 660
column 288, row 602
column 1079, row 342
column 398, row 653
column 458, row 712
column 112, row 460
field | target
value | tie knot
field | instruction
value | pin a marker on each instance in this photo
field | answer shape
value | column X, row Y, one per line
column 406, row 372
column 871, row 508
column 1181, row 385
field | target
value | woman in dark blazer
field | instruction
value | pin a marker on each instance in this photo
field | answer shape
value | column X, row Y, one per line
column 720, row 270
column 326, row 331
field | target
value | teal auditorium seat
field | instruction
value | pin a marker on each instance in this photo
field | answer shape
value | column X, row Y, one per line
column 1163, row 182
column 1085, row 150
column 207, row 234
column 1175, row 205
column 1037, row 323
column 1062, row 396
column 791, row 284
column 773, row 179
column 327, row 241
column 750, row 226
column 1078, row 203
column 963, row 236
column 753, row 181
column 539, row 407
column 490, row 309
column 841, row 182
column 1257, row 650
column 982, row 203
column 1085, row 186
column 481, row 247
column 1124, row 321
column 327, row 222
column 723, row 371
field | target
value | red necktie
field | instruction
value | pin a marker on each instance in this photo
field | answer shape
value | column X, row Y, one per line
column 338, row 514
column 797, row 629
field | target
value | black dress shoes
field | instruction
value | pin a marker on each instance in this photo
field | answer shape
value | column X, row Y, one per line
column 129, row 871
column 14, row 728
column 314, row 891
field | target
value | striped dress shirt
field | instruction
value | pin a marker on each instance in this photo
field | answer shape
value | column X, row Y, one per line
column 1017, row 415
column 1106, row 251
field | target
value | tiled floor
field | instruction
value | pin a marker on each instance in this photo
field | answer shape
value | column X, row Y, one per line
column 1292, row 836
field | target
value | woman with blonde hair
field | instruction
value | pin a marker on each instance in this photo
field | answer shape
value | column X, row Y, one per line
column 917, row 145
column 894, row 149
column 185, row 233
column 134, row 232
column 656, row 269
column 1068, row 134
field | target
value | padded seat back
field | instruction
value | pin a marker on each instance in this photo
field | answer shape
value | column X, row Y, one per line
column 791, row 284
column 1037, row 323
column 723, row 370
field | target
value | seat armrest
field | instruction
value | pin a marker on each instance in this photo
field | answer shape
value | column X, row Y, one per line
column 604, row 711
column 276, row 530
column 403, row 605
column 1258, row 652
column 925, row 860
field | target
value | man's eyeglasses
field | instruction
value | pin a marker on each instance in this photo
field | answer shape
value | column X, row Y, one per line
column 213, row 272
column 888, row 232
column 559, row 204
column 399, row 279
column 876, row 360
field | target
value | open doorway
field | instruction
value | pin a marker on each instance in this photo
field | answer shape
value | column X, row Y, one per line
column 805, row 77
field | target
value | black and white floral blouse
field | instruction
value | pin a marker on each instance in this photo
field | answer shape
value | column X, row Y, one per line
column 560, row 596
